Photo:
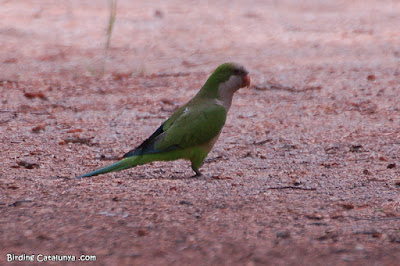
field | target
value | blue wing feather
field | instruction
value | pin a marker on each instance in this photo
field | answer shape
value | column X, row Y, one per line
column 147, row 147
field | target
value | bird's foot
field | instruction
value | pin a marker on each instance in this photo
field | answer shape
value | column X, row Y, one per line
column 198, row 173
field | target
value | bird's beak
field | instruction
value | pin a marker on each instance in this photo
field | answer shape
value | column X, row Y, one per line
column 246, row 81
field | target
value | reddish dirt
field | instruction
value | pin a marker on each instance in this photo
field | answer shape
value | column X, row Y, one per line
column 306, row 170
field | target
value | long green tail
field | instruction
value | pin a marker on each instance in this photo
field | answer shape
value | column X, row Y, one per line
column 120, row 165
column 133, row 161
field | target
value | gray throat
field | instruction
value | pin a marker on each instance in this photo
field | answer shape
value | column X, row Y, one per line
column 226, row 91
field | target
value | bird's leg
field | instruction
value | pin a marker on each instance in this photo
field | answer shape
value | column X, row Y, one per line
column 196, row 170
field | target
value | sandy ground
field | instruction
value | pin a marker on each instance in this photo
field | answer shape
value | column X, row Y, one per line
column 307, row 168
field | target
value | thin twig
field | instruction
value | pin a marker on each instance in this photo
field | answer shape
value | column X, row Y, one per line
column 13, row 115
column 373, row 219
column 262, row 142
column 270, row 86
column 32, row 113
column 111, row 22
column 292, row 187
column 18, row 202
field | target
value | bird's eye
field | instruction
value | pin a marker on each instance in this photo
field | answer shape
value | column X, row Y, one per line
column 236, row 72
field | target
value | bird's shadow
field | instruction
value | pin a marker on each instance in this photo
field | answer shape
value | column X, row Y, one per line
column 148, row 174
column 169, row 175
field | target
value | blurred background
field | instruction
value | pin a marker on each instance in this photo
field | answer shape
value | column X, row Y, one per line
column 68, row 37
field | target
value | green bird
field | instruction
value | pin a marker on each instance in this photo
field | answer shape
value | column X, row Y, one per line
column 192, row 130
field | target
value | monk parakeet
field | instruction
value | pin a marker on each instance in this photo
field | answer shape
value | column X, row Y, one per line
column 192, row 130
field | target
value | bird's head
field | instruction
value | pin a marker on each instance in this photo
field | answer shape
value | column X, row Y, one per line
column 226, row 80
column 233, row 73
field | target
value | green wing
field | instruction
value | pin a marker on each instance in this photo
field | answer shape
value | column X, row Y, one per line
column 192, row 125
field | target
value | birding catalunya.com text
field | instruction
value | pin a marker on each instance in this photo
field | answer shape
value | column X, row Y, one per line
column 45, row 257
